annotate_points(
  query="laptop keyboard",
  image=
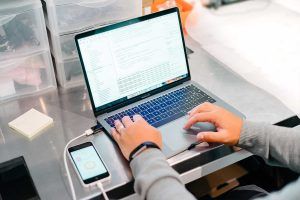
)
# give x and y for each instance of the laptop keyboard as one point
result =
(166, 108)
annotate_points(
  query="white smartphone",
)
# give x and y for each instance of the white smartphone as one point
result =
(88, 164)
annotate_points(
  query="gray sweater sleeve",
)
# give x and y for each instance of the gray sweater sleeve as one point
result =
(277, 145)
(155, 179)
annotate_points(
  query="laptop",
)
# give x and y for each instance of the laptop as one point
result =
(140, 66)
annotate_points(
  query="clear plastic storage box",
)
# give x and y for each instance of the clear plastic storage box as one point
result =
(69, 15)
(22, 28)
(25, 58)
(69, 73)
(63, 47)
(26, 75)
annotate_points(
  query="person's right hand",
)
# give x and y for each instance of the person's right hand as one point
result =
(227, 124)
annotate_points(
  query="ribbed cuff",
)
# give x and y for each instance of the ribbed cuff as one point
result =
(139, 160)
(149, 167)
(251, 134)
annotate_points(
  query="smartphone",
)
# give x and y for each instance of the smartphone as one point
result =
(88, 164)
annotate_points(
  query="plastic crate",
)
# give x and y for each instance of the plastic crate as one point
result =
(26, 75)
(25, 60)
(69, 73)
(22, 28)
(63, 47)
(65, 16)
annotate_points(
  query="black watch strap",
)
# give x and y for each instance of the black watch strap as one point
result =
(140, 148)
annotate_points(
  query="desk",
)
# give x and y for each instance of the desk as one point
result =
(72, 115)
(256, 39)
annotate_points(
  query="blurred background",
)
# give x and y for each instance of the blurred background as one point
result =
(256, 39)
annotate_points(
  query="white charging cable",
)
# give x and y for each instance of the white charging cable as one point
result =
(100, 186)
(86, 133)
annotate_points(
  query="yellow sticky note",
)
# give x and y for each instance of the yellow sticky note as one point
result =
(31, 123)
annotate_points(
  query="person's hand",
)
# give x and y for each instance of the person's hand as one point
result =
(130, 134)
(227, 124)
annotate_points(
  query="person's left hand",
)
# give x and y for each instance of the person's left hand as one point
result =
(130, 134)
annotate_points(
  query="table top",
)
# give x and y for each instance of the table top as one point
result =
(72, 114)
(256, 39)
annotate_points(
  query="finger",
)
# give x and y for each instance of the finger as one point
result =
(204, 107)
(193, 110)
(126, 121)
(119, 126)
(115, 134)
(200, 117)
(211, 137)
(138, 118)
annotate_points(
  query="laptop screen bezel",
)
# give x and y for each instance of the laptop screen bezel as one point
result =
(98, 111)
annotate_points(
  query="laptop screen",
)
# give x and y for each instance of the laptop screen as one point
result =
(127, 61)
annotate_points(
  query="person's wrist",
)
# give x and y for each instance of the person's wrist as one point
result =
(239, 132)
(142, 148)
(141, 152)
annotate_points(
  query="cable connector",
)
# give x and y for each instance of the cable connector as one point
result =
(94, 129)
(97, 129)
(88, 132)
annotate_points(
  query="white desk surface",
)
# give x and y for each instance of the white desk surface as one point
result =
(259, 40)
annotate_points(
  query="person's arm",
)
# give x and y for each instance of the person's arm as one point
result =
(277, 145)
(154, 178)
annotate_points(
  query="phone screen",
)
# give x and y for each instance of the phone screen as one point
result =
(88, 163)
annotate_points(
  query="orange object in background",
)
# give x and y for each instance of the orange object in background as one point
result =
(184, 6)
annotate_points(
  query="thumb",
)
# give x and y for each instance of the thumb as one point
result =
(211, 137)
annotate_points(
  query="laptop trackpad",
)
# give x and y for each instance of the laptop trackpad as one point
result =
(175, 137)
(201, 127)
